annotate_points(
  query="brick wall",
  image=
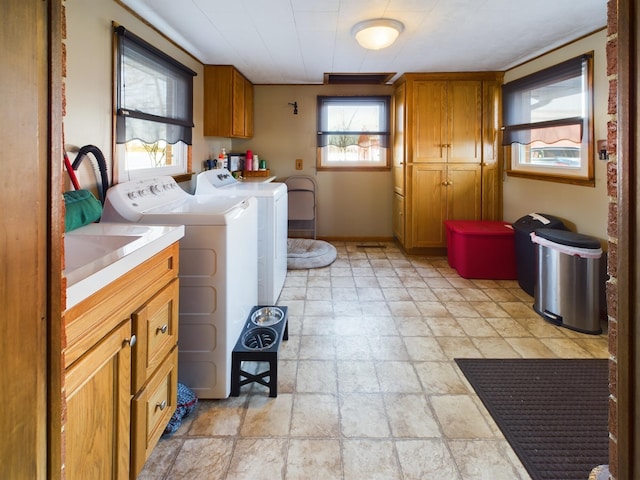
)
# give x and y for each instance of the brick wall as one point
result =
(612, 232)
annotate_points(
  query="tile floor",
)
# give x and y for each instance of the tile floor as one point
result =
(368, 388)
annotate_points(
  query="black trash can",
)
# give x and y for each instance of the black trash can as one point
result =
(525, 249)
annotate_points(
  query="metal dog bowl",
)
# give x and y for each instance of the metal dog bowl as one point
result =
(266, 316)
(259, 338)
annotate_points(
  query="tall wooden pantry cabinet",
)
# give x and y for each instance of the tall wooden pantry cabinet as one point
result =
(446, 164)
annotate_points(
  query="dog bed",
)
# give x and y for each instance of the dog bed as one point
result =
(306, 253)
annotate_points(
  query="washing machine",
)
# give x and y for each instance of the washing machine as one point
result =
(217, 270)
(272, 225)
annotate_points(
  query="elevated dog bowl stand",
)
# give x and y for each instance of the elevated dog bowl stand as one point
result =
(258, 343)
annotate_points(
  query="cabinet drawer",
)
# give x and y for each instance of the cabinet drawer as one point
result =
(155, 325)
(152, 409)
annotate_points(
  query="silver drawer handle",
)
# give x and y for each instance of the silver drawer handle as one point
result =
(131, 341)
(162, 329)
(162, 405)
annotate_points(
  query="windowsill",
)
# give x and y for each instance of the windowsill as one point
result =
(585, 182)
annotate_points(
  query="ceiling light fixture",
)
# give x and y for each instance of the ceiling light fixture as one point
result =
(377, 33)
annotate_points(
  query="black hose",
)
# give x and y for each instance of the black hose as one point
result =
(102, 166)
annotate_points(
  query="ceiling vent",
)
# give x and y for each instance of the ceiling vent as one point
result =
(357, 78)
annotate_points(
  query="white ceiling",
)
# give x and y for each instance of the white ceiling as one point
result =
(298, 41)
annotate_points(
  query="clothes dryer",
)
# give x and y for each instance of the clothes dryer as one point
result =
(217, 274)
(272, 225)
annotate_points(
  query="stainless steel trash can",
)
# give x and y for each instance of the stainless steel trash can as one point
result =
(567, 287)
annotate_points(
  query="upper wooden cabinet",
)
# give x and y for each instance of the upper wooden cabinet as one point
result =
(228, 102)
(445, 144)
(446, 121)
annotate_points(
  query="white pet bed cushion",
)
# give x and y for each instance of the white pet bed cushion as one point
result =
(307, 253)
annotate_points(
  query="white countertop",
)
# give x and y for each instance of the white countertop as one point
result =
(99, 253)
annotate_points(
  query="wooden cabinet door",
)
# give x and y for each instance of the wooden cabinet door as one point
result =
(98, 413)
(429, 121)
(463, 193)
(248, 109)
(464, 122)
(491, 172)
(238, 117)
(398, 217)
(428, 206)
(399, 109)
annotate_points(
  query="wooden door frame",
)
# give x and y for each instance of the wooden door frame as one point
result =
(627, 429)
(55, 251)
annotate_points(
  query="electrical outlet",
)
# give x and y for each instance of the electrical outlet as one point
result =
(298, 164)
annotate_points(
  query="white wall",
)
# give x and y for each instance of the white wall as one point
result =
(354, 205)
(583, 209)
(89, 82)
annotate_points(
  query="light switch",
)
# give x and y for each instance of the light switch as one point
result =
(298, 164)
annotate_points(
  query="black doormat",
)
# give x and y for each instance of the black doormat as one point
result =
(553, 412)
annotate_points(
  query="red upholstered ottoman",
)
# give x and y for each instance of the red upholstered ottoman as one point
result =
(481, 249)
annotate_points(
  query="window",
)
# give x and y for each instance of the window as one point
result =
(548, 123)
(154, 110)
(353, 133)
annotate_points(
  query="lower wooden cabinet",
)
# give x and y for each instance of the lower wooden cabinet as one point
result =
(121, 369)
(440, 192)
(98, 390)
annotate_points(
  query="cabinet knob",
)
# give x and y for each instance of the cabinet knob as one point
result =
(131, 341)
(162, 405)
(162, 329)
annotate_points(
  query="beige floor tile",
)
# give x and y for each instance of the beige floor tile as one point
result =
(363, 415)
(315, 415)
(530, 348)
(447, 294)
(353, 347)
(318, 293)
(314, 459)
(439, 378)
(318, 307)
(397, 377)
(476, 458)
(432, 309)
(473, 295)
(424, 349)
(357, 377)
(458, 347)
(445, 327)
(267, 416)
(410, 416)
(495, 348)
(565, 348)
(218, 417)
(461, 309)
(426, 459)
(459, 417)
(203, 458)
(388, 347)
(488, 309)
(369, 459)
(477, 327)
(380, 325)
(318, 325)
(257, 459)
(317, 347)
(316, 376)
(508, 327)
(403, 308)
(412, 327)
(161, 459)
